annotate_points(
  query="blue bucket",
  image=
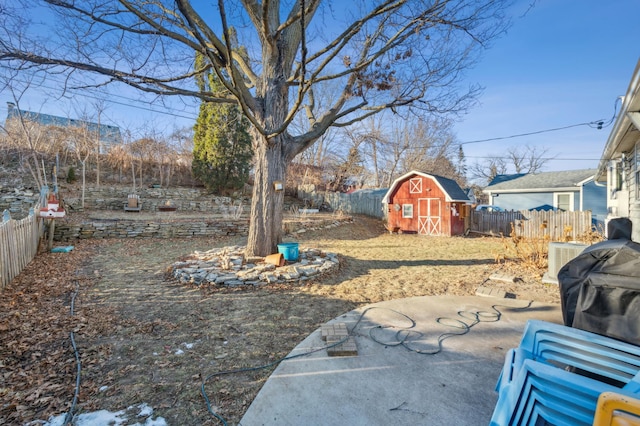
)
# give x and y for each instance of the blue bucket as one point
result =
(289, 251)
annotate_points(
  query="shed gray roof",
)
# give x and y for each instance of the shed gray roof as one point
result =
(538, 181)
(450, 187)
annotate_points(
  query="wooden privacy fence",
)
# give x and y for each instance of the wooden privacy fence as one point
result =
(364, 201)
(18, 244)
(555, 225)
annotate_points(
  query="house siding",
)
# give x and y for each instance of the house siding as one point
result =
(523, 200)
(593, 198)
(634, 202)
(622, 151)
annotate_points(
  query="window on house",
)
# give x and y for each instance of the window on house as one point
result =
(407, 210)
(563, 201)
(618, 176)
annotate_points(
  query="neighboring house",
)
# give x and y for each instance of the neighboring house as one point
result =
(425, 204)
(109, 135)
(620, 163)
(572, 190)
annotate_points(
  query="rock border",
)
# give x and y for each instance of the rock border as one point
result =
(228, 267)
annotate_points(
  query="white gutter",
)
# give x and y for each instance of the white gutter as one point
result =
(623, 121)
(529, 190)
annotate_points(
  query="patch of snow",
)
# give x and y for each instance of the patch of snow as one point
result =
(97, 418)
(103, 388)
(145, 410)
(179, 352)
(107, 418)
(188, 345)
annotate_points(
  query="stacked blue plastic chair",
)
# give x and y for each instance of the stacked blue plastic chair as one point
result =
(558, 372)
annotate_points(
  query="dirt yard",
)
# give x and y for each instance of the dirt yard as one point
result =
(143, 338)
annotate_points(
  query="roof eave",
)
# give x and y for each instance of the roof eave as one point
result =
(617, 142)
(528, 190)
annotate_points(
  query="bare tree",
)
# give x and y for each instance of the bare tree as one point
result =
(99, 107)
(26, 136)
(385, 54)
(117, 159)
(82, 141)
(371, 136)
(181, 145)
(488, 169)
(518, 159)
(141, 150)
(414, 143)
(327, 148)
(527, 158)
(30, 138)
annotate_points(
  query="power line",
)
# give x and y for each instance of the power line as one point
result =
(598, 124)
(108, 98)
(541, 158)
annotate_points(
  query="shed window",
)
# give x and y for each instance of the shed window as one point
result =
(407, 210)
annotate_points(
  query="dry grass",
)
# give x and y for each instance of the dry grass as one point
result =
(146, 319)
(533, 253)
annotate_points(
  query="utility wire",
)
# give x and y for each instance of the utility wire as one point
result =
(599, 125)
(108, 97)
(540, 158)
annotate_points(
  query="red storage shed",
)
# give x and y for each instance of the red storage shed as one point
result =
(426, 204)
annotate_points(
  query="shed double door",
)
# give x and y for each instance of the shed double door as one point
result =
(429, 216)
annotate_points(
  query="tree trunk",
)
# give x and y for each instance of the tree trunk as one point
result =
(98, 168)
(133, 176)
(265, 230)
(84, 180)
(374, 157)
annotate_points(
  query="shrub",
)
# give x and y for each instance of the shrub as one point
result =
(71, 175)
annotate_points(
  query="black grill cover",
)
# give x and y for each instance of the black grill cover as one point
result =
(600, 290)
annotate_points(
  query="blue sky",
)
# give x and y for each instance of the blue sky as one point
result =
(564, 62)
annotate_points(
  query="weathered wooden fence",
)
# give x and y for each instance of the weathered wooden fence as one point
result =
(18, 244)
(364, 201)
(533, 224)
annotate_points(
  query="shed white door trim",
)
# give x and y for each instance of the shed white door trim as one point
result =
(429, 216)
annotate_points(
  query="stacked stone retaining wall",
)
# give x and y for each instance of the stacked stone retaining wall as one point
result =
(183, 229)
(19, 201)
(184, 199)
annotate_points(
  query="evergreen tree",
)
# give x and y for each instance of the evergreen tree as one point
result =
(222, 151)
